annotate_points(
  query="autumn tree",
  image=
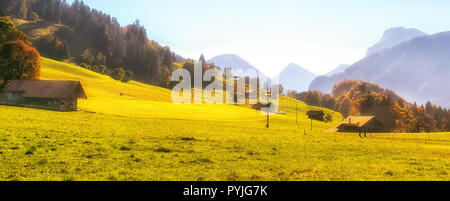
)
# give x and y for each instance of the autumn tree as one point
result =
(327, 101)
(18, 61)
(312, 98)
(9, 32)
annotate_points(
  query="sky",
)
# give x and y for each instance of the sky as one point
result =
(318, 35)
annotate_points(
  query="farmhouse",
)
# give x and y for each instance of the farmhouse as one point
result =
(361, 124)
(316, 115)
(45, 94)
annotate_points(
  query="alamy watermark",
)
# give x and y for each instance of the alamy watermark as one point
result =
(241, 87)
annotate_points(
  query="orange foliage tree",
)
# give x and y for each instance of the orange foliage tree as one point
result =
(18, 61)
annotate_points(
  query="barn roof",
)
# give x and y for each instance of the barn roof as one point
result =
(315, 112)
(358, 121)
(47, 88)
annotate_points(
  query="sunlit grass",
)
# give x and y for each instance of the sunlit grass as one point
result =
(135, 99)
(141, 135)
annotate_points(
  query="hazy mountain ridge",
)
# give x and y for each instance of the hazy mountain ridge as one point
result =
(393, 37)
(418, 70)
(295, 77)
(341, 68)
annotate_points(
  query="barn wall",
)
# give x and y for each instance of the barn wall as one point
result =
(375, 126)
(53, 103)
(343, 128)
(17, 99)
(12, 97)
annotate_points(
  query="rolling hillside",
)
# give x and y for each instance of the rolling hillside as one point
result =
(108, 96)
(140, 135)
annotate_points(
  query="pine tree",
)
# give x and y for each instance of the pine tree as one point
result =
(429, 108)
(202, 59)
(57, 12)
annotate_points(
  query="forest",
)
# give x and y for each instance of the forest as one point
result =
(106, 44)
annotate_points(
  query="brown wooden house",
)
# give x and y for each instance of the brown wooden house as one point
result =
(361, 124)
(45, 94)
(316, 115)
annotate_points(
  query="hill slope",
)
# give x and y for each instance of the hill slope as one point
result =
(136, 99)
(80, 34)
(97, 144)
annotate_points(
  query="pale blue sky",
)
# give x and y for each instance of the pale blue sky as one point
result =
(316, 34)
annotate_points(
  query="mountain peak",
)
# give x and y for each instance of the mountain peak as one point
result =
(294, 66)
(234, 62)
(228, 56)
(295, 77)
(393, 37)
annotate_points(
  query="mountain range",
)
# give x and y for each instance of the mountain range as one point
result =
(417, 69)
(292, 77)
(412, 63)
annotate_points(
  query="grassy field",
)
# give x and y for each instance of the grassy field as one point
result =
(132, 131)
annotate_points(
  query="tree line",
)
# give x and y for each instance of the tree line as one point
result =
(354, 98)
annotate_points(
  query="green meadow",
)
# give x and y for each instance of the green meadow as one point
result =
(132, 131)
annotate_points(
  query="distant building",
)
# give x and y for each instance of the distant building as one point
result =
(361, 124)
(45, 94)
(316, 115)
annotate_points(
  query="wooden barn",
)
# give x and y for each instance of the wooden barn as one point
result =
(316, 115)
(45, 94)
(361, 124)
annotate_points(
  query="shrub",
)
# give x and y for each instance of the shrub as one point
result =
(118, 74)
(101, 69)
(328, 118)
(94, 68)
(83, 65)
(128, 76)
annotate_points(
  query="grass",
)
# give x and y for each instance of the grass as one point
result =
(108, 96)
(143, 136)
